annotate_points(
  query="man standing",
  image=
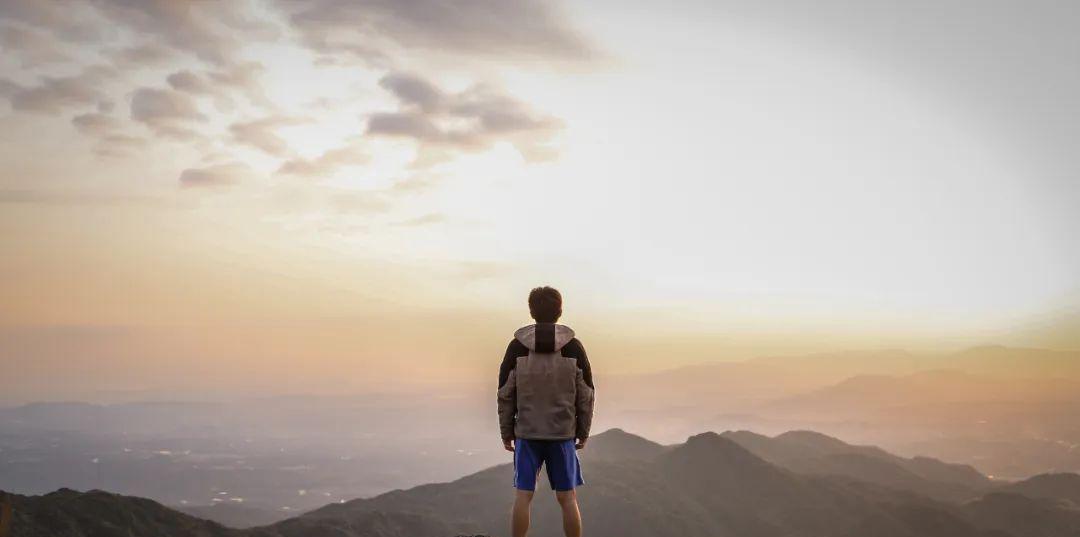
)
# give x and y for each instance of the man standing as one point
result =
(545, 403)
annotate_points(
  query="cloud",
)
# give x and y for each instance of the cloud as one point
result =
(243, 77)
(34, 47)
(413, 90)
(328, 163)
(469, 121)
(9, 89)
(222, 83)
(167, 112)
(69, 21)
(111, 141)
(95, 124)
(405, 124)
(54, 94)
(211, 31)
(261, 133)
(188, 81)
(217, 175)
(144, 55)
(413, 183)
(65, 197)
(422, 220)
(374, 30)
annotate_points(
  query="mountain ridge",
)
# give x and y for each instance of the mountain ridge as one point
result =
(708, 486)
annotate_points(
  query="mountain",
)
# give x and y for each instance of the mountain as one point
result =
(708, 486)
(1014, 514)
(1009, 428)
(617, 444)
(1016, 362)
(990, 360)
(1060, 486)
(813, 453)
(832, 366)
(69, 513)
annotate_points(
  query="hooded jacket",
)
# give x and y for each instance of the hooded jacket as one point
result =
(545, 385)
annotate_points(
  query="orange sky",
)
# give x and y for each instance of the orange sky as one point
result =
(254, 195)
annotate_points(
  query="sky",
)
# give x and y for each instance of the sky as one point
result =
(278, 195)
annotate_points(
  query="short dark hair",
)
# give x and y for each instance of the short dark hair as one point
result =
(545, 304)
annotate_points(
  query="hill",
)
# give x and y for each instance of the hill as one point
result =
(709, 486)
(69, 513)
(813, 453)
(1061, 486)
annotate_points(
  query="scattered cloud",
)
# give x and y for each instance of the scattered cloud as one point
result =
(413, 183)
(108, 130)
(326, 164)
(373, 30)
(261, 133)
(10, 196)
(119, 145)
(411, 125)
(217, 175)
(9, 89)
(211, 31)
(32, 46)
(190, 82)
(96, 124)
(469, 121)
(222, 84)
(147, 36)
(144, 55)
(411, 90)
(69, 21)
(54, 94)
(167, 112)
(244, 78)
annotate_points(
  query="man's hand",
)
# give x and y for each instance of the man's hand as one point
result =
(581, 443)
(508, 444)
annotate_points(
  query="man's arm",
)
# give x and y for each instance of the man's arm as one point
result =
(508, 409)
(586, 394)
(583, 403)
(507, 394)
(514, 349)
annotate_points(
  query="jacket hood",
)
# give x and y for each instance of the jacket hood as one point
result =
(544, 337)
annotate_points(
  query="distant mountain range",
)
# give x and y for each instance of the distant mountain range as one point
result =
(713, 485)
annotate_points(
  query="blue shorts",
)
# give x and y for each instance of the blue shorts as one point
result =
(560, 458)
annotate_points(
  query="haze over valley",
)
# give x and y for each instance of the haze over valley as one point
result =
(256, 460)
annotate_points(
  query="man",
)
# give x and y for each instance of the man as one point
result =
(545, 403)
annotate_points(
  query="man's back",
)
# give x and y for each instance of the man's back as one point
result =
(545, 385)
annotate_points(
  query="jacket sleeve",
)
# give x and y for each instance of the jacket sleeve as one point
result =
(576, 350)
(584, 400)
(514, 349)
(507, 397)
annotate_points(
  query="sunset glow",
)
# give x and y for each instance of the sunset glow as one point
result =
(193, 191)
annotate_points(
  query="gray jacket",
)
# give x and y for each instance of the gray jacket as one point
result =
(545, 395)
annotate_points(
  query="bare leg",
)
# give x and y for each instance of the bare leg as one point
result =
(519, 519)
(571, 516)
